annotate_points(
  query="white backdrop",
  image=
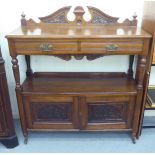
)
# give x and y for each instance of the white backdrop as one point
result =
(10, 11)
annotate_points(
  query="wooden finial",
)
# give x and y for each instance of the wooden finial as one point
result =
(134, 15)
(134, 21)
(23, 20)
(79, 12)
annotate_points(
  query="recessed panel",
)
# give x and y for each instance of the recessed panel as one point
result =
(100, 112)
(51, 112)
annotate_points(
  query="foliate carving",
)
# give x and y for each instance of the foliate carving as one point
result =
(106, 112)
(79, 57)
(52, 112)
(64, 57)
(101, 20)
(94, 56)
(59, 17)
(89, 57)
(97, 17)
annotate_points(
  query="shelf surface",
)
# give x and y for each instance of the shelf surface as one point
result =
(79, 85)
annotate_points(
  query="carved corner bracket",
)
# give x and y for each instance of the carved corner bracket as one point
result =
(97, 18)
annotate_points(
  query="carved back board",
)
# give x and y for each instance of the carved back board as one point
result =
(97, 18)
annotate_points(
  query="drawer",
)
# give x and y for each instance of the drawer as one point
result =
(106, 46)
(113, 47)
(45, 47)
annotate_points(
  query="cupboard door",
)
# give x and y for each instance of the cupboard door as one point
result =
(106, 113)
(46, 112)
(3, 127)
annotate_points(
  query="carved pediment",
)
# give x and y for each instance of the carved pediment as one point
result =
(97, 18)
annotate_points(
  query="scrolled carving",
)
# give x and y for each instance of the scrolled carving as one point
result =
(89, 57)
(93, 56)
(64, 57)
(79, 57)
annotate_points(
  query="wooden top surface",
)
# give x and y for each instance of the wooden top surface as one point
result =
(97, 31)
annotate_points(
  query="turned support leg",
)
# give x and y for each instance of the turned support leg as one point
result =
(133, 138)
(25, 138)
(18, 95)
(28, 63)
(130, 70)
(141, 67)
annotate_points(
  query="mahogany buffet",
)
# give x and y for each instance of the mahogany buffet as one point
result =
(80, 101)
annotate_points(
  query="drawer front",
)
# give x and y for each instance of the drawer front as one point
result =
(45, 47)
(54, 113)
(103, 113)
(106, 46)
(113, 47)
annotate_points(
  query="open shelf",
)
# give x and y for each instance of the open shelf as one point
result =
(79, 83)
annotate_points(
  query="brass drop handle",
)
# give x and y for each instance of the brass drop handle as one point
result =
(46, 47)
(111, 47)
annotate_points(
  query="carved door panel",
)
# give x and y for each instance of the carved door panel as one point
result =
(106, 113)
(3, 127)
(54, 113)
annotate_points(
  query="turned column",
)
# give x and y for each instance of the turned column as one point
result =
(29, 71)
(141, 67)
(18, 89)
(130, 70)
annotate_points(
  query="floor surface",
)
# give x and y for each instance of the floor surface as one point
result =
(81, 142)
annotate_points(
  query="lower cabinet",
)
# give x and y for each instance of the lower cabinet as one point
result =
(79, 113)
